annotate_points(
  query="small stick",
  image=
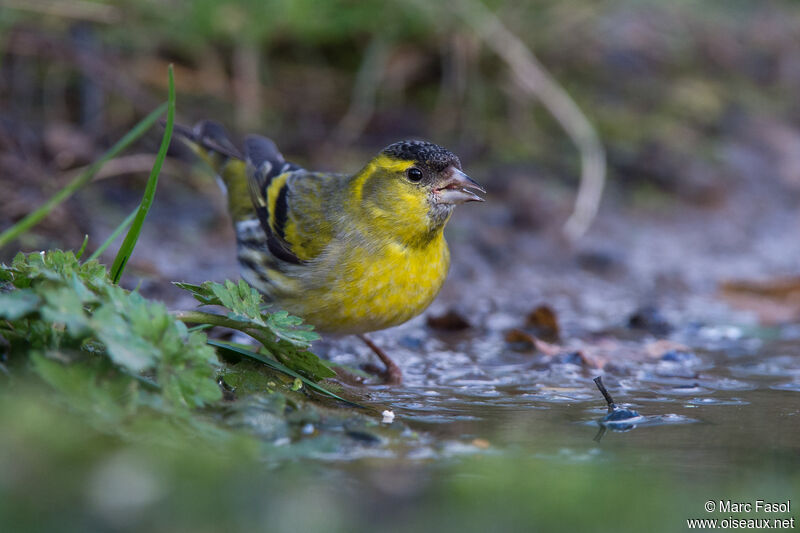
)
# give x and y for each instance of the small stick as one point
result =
(609, 400)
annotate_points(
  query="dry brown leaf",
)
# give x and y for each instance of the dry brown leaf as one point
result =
(545, 321)
(450, 321)
(774, 301)
(518, 336)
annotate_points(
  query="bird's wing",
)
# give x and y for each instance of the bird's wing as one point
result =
(290, 202)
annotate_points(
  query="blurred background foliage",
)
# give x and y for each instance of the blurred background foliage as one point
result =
(655, 78)
(676, 90)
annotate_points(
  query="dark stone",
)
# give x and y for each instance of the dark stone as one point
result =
(649, 318)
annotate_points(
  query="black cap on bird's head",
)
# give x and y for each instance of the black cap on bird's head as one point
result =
(424, 153)
(437, 167)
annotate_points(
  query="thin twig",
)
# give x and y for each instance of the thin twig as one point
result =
(365, 89)
(536, 81)
(247, 86)
(132, 164)
(457, 58)
(609, 400)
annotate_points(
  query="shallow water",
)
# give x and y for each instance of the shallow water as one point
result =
(729, 399)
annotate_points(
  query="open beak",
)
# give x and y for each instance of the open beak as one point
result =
(457, 188)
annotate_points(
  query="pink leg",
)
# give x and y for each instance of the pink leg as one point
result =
(393, 375)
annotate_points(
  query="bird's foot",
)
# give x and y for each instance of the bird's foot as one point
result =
(392, 375)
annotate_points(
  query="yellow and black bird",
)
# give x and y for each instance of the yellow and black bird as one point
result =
(348, 253)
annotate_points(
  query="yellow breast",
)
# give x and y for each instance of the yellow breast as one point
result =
(371, 290)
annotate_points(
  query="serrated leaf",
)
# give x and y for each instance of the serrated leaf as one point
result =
(281, 368)
(309, 364)
(18, 303)
(64, 306)
(247, 377)
(243, 300)
(188, 373)
(81, 291)
(290, 328)
(301, 338)
(125, 348)
(202, 293)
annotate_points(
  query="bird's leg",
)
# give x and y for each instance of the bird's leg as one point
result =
(393, 375)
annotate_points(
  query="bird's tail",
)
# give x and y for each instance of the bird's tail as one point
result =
(211, 143)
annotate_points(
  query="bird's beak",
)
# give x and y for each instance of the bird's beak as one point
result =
(456, 188)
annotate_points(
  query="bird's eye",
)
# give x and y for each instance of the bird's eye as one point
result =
(414, 174)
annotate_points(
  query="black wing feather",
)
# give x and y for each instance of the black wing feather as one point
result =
(264, 163)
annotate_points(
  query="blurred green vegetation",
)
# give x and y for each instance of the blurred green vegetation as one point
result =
(57, 473)
(645, 72)
(674, 89)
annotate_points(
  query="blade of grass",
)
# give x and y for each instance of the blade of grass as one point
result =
(81, 179)
(280, 368)
(201, 327)
(111, 238)
(132, 237)
(79, 254)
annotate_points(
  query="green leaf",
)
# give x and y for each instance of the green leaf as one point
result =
(243, 300)
(202, 293)
(18, 303)
(304, 362)
(64, 306)
(281, 368)
(248, 377)
(301, 338)
(289, 328)
(188, 372)
(126, 349)
(54, 265)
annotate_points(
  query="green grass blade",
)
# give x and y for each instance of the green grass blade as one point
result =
(200, 327)
(280, 368)
(132, 237)
(79, 253)
(116, 233)
(80, 180)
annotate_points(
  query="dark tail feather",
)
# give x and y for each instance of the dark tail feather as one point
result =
(209, 135)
